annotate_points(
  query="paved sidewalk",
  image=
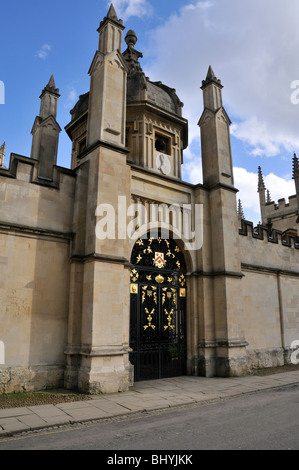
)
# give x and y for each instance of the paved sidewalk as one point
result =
(144, 396)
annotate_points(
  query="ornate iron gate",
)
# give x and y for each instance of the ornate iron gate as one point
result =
(158, 309)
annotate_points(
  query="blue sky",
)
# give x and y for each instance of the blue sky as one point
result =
(252, 47)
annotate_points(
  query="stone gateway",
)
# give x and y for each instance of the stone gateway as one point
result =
(100, 282)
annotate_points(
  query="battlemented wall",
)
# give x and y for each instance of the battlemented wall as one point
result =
(283, 214)
(64, 288)
(35, 204)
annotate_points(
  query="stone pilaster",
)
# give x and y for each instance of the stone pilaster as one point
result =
(100, 262)
(225, 345)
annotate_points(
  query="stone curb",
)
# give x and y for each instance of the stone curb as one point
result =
(43, 417)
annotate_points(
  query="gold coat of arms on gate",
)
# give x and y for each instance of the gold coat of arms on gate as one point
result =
(159, 261)
(134, 288)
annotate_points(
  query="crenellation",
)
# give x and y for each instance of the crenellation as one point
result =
(281, 201)
(17, 168)
(283, 214)
(262, 232)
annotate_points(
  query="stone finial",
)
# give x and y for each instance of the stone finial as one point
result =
(262, 195)
(261, 184)
(295, 166)
(51, 83)
(212, 92)
(51, 87)
(296, 179)
(45, 131)
(240, 211)
(211, 78)
(131, 38)
(210, 74)
(110, 33)
(2, 154)
(268, 199)
(49, 99)
(111, 15)
(131, 55)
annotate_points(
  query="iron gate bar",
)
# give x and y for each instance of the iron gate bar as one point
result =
(158, 342)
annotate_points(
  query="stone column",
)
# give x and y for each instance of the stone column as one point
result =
(104, 324)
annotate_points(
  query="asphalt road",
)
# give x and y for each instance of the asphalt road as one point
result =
(265, 420)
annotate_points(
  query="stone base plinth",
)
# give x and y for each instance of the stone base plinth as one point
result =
(30, 378)
(221, 359)
(105, 374)
(261, 358)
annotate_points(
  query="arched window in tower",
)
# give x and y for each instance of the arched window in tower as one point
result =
(162, 143)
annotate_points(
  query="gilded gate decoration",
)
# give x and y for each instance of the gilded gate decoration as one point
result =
(158, 309)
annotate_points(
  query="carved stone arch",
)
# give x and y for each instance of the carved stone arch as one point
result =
(143, 252)
(170, 232)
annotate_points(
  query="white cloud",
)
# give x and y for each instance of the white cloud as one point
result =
(128, 8)
(43, 52)
(253, 48)
(72, 98)
(279, 187)
(192, 167)
(247, 183)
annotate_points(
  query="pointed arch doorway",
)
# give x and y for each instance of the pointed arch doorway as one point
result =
(157, 309)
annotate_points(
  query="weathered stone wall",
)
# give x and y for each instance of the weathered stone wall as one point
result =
(30, 201)
(37, 221)
(35, 235)
(270, 296)
(34, 291)
(262, 318)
